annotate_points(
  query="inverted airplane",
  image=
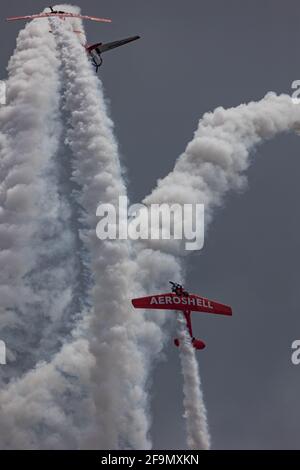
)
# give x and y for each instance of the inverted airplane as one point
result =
(96, 50)
(180, 300)
(60, 14)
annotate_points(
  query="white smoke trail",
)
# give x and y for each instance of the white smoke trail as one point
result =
(214, 162)
(49, 406)
(37, 264)
(121, 367)
(195, 412)
(217, 158)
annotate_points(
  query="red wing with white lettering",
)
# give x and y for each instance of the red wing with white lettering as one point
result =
(213, 307)
(192, 303)
(153, 301)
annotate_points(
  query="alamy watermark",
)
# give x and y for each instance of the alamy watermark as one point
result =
(183, 222)
(296, 94)
(295, 357)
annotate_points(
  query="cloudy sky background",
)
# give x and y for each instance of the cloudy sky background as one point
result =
(194, 56)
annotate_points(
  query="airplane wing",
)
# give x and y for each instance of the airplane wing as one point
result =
(93, 18)
(59, 15)
(171, 301)
(28, 17)
(111, 45)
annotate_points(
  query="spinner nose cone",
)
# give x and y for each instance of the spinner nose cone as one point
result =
(198, 344)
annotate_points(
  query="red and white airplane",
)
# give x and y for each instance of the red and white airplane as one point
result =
(180, 300)
(60, 14)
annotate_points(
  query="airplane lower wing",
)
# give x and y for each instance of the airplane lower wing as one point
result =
(59, 15)
(192, 303)
(100, 47)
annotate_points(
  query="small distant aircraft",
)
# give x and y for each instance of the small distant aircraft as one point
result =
(96, 50)
(60, 14)
(180, 300)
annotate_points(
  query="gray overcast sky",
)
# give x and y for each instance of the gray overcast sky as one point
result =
(193, 56)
